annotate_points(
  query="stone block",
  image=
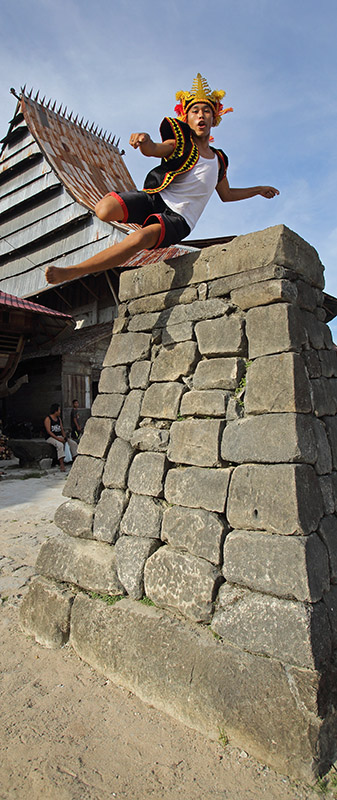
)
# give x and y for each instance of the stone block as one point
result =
(45, 612)
(117, 464)
(316, 330)
(109, 512)
(177, 333)
(308, 297)
(171, 363)
(263, 293)
(219, 373)
(129, 416)
(221, 337)
(207, 403)
(146, 474)
(198, 684)
(84, 481)
(325, 485)
(281, 498)
(139, 374)
(114, 379)
(144, 322)
(150, 438)
(181, 582)
(330, 602)
(274, 329)
(328, 359)
(195, 441)
(142, 517)
(131, 556)
(199, 532)
(328, 533)
(333, 477)
(224, 286)
(277, 383)
(107, 405)
(331, 430)
(162, 400)
(162, 301)
(90, 565)
(293, 567)
(270, 438)
(312, 363)
(324, 398)
(323, 464)
(292, 632)
(125, 348)
(97, 437)
(46, 463)
(75, 518)
(197, 487)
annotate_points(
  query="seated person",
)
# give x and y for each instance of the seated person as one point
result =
(56, 436)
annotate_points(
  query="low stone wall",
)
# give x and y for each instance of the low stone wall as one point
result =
(206, 482)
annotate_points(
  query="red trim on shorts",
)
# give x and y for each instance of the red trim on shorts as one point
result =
(162, 229)
(121, 203)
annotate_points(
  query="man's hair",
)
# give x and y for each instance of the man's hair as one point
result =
(75, 401)
(54, 407)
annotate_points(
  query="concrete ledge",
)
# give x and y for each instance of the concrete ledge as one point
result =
(270, 710)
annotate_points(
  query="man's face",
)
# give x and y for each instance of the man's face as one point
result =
(200, 119)
(75, 404)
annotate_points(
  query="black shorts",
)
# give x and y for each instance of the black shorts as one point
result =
(145, 209)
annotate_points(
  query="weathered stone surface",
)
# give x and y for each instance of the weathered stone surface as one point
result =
(30, 451)
(277, 245)
(270, 438)
(221, 337)
(263, 293)
(107, 405)
(197, 487)
(108, 515)
(85, 479)
(164, 300)
(324, 396)
(129, 417)
(117, 464)
(330, 602)
(312, 363)
(331, 429)
(277, 383)
(114, 379)
(162, 400)
(150, 438)
(274, 329)
(292, 632)
(75, 518)
(328, 359)
(282, 498)
(307, 296)
(143, 517)
(199, 532)
(223, 286)
(219, 373)
(97, 437)
(318, 333)
(328, 533)
(144, 322)
(198, 684)
(147, 473)
(210, 403)
(139, 374)
(181, 582)
(131, 555)
(45, 612)
(334, 487)
(195, 441)
(325, 485)
(125, 348)
(323, 464)
(90, 565)
(177, 333)
(294, 567)
(174, 362)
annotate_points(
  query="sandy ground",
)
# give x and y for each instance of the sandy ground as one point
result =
(68, 733)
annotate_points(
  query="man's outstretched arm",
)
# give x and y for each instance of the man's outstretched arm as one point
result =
(150, 148)
(228, 195)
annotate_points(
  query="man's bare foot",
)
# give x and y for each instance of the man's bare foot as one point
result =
(59, 274)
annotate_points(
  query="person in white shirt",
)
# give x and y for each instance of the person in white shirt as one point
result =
(176, 191)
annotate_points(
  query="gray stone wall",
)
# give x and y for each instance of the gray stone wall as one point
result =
(206, 482)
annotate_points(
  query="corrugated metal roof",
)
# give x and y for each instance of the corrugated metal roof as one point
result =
(10, 300)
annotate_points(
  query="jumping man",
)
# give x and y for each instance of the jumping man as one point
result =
(176, 191)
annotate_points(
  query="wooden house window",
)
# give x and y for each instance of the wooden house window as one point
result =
(77, 388)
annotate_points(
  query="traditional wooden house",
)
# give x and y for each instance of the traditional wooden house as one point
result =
(53, 169)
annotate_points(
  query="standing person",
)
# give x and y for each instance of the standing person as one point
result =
(76, 429)
(176, 191)
(56, 436)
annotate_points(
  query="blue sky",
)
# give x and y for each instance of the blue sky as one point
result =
(120, 63)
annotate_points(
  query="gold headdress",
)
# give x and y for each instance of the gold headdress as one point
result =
(201, 93)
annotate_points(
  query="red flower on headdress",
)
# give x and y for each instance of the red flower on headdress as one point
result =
(179, 110)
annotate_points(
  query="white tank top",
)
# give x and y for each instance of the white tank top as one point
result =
(189, 193)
